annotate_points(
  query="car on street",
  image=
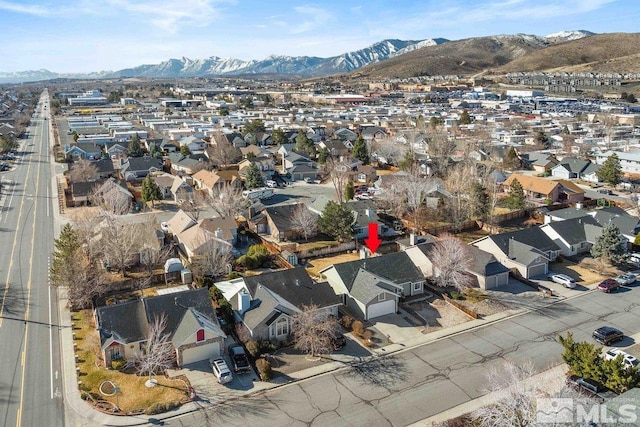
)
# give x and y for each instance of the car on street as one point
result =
(626, 279)
(627, 360)
(606, 335)
(608, 285)
(221, 370)
(562, 279)
(239, 359)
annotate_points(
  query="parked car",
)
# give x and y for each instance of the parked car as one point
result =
(271, 183)
(590, 388)
(221, 370)
(239, 359)
(608, 285)
(627, 360)
(626, 279)
(562, 279)
(605, 191)
(4, 166)
(607, 335)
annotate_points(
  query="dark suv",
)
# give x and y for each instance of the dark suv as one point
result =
(607, 335)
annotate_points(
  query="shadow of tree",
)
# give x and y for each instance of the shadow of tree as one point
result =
(382, 371)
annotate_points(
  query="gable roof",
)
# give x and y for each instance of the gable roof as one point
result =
(124, 322)
(395, 267)
(226, 224)
(484, 263)
(133, 164)
(360, 208)
(573, 164)
(180, 222)
(104, 165)
(281, 215)
(366, 286)
(266, 307)
(573, 230)
(295, 286)
(627, 224)
(533, 183)
(532, 236)
(207, 178)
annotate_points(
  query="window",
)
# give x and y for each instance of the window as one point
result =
(382, 296)
(282, 326)
(417, 286)
(200, 335)
(115, 352)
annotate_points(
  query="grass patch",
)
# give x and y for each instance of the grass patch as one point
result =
(133, 393)
(309, 246)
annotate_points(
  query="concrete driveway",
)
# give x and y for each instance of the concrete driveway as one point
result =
(395, 328)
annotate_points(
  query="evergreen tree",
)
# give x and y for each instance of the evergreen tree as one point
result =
(516, 199)
(360, 151)
(617, 376)
(479, 201)
(465, 119)
(511, 160)
(154, 151)
(336, 221)
(349, 191)
(543, 139)
(66, 248)
(184, 151)
(253, 177)
(134, 149)
(610, 171)
(278, 136)
(610, 244)
(150, 191)
(323, 155)
(304, 145)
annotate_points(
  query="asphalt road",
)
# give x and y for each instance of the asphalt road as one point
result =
(30, 378)
(412, 385)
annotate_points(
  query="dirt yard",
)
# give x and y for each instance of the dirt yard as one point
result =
(484, 308)
(584, 273)
(438, 314)
(315, 265)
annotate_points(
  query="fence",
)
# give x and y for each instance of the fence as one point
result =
(460, 307)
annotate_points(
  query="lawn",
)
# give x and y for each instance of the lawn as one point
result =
(315, 265)
(316, 244)
(133, 393)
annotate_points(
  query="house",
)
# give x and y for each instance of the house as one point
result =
(187, 164)
(345, 134)
(628, 225)
(191, 323)
(276, 221)
(364, 213)
(104, 168)
(164, 181)
(83, 150)
(540, 162)
(590, 174)
(570, 168)
(629, 160)
(266, 303)
(372, 287)
(193, 143)
(223, 227)
(528, 250)
(181, 191)
(371, 133)
(487, 272)
(196, 242)
(303, 171)
(541, 189)
(207, 180)
(573, 236)
(115, 150)
(81, 193)
(137, 168)
(180, 222)
(335, 147)
(365, 174)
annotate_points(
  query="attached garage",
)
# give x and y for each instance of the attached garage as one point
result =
(200, 352)
(495, 281)
(378, 309)
(536, 270)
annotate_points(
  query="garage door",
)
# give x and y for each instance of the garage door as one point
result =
(537, 270)
(199, 353)
(381, 308)
(490, 282)
(502, 279)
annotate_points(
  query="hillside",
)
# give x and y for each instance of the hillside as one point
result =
(601, 52)
(466, 56)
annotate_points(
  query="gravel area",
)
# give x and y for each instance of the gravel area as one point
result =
(438, 314)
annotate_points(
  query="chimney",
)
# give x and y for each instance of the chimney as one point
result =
(244, 300)
(218, 233)
(412, 239)
(368, 213)
(363, 253)
(297, 282)
(578, 205)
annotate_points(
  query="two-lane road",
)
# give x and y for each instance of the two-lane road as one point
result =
(30, 378)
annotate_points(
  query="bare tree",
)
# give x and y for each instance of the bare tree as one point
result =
(304, 221)
(211, 257)
(388, 149)
(339, 177)
(223, 153)
(440, 148)
(111, 200)
(82, 171)
(152, 251)
(458, 183)
(227, 200)
(451, 258)
(88, 283)
(313, 330)
(190, 202)
(120, 242)
(158, 352)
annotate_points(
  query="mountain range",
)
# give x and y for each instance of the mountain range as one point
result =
(445, 54)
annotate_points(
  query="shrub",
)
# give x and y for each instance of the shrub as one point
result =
(366, 335)
(455, 295)
(264, 369)
(253, 348)
(158, 408)
(268, 346)
(248, 262)
(475, 295)
(347, 321)
(357, 327)
(233, 275)
(118, 364)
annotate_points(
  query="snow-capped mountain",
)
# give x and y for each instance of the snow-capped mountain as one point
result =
(566, 36)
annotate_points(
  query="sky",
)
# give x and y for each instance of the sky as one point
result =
(77, 36)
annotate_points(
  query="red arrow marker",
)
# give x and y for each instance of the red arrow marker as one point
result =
(373, 241)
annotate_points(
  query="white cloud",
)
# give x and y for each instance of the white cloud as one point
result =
(314, 17)
(31, 9)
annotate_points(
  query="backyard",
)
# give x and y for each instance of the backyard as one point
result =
(133, 394)
(315, 265)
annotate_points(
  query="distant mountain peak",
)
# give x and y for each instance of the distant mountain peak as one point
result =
(568, 35)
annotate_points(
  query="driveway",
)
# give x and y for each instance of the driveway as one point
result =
(396, 329)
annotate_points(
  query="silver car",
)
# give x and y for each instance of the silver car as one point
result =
(626, 279)
(563, 279)
(221, 370)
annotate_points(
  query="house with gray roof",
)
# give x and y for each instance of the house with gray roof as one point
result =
(528, 250)
(364, 213)
(191, 323)
(137, 168)
(276, 222)
(573, 236)
(570, 168)
(372, 287)
(266, 303)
